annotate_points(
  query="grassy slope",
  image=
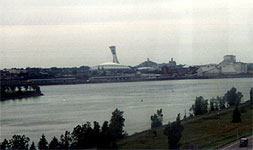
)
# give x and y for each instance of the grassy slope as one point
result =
(207, 131)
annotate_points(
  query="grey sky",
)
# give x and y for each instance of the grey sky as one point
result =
(46, 33)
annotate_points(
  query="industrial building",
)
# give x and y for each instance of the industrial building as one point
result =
(226, 67)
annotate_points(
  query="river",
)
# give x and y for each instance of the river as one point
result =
(64, 106)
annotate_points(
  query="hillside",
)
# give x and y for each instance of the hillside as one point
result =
(206, 131)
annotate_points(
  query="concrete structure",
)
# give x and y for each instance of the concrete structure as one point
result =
(229, 59)
(113, 50)
(227, 66)
(110, 68)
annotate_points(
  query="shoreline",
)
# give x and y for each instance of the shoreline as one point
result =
(112, 79)
(21, 96)
(144, 80)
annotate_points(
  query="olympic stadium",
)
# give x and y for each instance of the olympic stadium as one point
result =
(111, 68)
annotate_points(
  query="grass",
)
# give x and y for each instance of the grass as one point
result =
(204, 132)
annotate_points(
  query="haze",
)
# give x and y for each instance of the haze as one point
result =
(68, 33)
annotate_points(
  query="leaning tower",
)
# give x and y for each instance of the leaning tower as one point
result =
(113, 50)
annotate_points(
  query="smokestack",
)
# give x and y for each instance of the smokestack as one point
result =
(114, 56)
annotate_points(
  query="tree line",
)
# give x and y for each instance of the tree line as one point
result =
(82, 137)
(203, 106)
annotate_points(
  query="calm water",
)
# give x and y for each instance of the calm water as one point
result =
(65, 106)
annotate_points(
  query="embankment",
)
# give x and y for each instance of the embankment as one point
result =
(208, 131)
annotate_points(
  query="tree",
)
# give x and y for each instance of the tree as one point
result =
(43, 144)
(233, 97)
(215, 103)
(36, 88)
(32, 147)
(174, 132)
(65, 140)
(157, 119)
(212, 105)
(105, 137)
(90, 136)
(77, 137)
(200, 107)
(26, 88)
(54, 144)
(221, 102)
(19, 142)
(13, 89)
(19, 89)
(251, 96)
(236, 115)
(185, 117)
(5, 145)
(96, 131)
(117, 124)
(83, 137)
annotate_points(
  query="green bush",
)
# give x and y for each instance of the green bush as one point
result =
(200, 107)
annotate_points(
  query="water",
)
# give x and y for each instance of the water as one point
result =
(64, 106)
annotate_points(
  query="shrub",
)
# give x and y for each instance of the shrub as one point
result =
(157, 119)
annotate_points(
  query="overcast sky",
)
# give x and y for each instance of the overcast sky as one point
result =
(66, 33)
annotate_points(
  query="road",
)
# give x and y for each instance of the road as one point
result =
(235, 145)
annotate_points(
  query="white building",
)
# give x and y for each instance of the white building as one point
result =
(227, 66)
(111, 68)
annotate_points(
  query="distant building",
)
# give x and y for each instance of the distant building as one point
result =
(147, 63)
(250, 67)
(228, 59)
(110, 68)
(16, 71)
(227, 66)
(172, 63)
(147, 66)
(174, 72)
